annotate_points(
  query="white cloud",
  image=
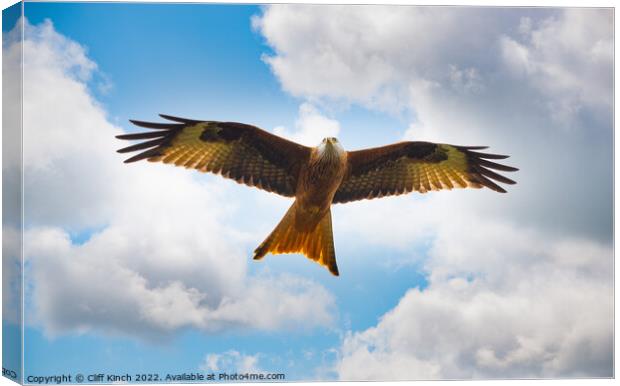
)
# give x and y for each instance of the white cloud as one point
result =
(67, 139)
(502, 302)
(231, 361)
(557, 53)
(108, 284)
(375, 55)
(310, 128)
(364, 54)
(465, 80)
(519, 284)
(462, 88)
(162, 256)
(11, 107)
(11, 275)
(11, 177)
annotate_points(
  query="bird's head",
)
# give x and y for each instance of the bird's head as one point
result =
(330, 146)
(330, 149)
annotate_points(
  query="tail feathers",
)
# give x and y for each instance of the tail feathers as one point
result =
(316, 244)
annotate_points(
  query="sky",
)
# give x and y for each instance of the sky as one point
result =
(146, 267)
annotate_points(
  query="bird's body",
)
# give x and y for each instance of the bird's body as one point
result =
(306, 227)
(321, 179)
(316, 177)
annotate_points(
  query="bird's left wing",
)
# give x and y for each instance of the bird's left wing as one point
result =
(418, 166)
(238, 151)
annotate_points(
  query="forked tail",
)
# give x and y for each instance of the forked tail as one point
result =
(317, 244)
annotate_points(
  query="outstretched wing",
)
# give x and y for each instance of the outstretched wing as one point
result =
(418, 166)
(238, 151)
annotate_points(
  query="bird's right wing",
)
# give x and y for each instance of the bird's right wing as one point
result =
(418, 166)
(238, 151)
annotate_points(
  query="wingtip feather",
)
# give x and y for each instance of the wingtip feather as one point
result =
(156, 126)
(173, 118)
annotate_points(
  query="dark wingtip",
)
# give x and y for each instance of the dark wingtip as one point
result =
(147, 135)
(483, 169)
(494, 165)
(472, 147)
(259, 253)
(488, 178)
(487, 155)
(495, 187)
(334, 269)
(155, 126)
(179, 119)
(172, 118)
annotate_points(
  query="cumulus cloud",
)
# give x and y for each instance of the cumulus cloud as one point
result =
(363, 53)
(519, 284)
(555, 54)
(554, 116)
(11, 275)
(374, 54)
(231, 361)
(66, 136)
(114, 285)
(310, 128)
(142, 250)
(12, 86)
(501, 303)
(11, 176)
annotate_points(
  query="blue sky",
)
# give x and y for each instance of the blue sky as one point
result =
(148, 267)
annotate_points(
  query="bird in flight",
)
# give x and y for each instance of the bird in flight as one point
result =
(316, 177)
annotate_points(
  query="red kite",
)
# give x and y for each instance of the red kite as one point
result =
(316, 176)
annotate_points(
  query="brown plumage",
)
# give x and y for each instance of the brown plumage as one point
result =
(317, 177)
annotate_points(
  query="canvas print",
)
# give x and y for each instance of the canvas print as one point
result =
(297, 192)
